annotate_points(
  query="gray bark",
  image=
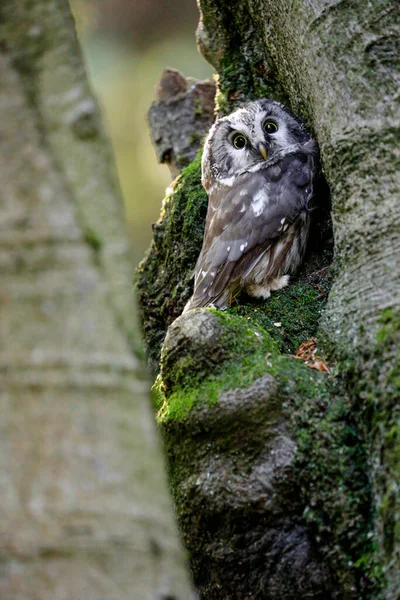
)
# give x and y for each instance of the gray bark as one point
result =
(83, 495)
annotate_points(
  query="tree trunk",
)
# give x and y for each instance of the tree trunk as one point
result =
(85, 508)
(292, 488)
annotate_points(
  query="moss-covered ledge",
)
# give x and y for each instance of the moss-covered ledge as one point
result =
(263, 465)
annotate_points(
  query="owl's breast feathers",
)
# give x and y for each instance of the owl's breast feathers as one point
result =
(257, 229)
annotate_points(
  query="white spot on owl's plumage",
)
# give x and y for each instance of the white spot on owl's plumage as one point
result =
(258, 203)
(228, 181)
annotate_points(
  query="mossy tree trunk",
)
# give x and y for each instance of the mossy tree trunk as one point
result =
(330, 504)
(85, 511)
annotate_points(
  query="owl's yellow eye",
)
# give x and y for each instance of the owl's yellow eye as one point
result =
(270, 127)
(239, 141)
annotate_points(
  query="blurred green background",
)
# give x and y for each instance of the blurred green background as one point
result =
(126, 44)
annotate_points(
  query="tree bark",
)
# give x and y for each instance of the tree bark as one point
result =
(84, 502)
(335, 439)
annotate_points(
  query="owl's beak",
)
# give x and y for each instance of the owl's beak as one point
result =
(263, 151)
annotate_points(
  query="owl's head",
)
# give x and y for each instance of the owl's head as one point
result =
(247, 138)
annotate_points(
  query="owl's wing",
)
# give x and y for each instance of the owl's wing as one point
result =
(247, 220)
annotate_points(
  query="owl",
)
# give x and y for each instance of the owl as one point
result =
(259, 166)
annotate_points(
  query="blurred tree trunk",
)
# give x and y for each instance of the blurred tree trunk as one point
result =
(85, 511)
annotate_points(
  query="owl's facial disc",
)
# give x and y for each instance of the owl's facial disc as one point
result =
(247, 138)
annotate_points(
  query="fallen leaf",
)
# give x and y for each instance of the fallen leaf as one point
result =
(307, 353)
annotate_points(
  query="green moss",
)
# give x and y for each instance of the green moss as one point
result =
(182, 370)
(92, 238)
(157, 395)
(238, 54)
(243, 339)
(332, 463)
(240, 81)
(381, 387)
(390, 319)
(234, 375)
(191, 383)
(198, 107)
(372, 384)
(164, 277)
(291, 315)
